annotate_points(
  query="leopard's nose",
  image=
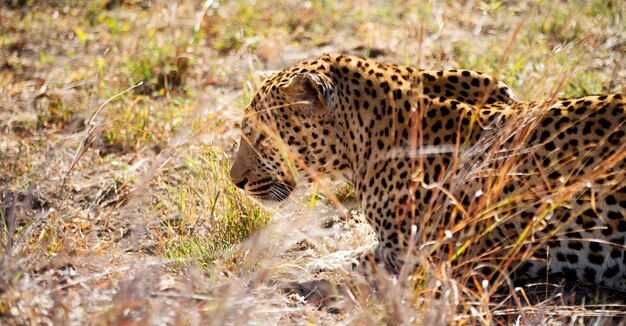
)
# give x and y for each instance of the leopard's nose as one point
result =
(241, 184)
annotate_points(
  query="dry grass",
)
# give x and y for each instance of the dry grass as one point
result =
(117, 119)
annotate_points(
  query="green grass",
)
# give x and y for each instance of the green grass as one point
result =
(223, 214)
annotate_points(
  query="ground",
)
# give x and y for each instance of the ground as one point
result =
(118, 119)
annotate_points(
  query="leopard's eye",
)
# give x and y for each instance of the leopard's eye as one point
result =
(262, 140)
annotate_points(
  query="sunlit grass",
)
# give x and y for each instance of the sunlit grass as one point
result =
(203, 212)
(149, 185)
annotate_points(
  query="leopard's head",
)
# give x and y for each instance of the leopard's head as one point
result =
(289, 127)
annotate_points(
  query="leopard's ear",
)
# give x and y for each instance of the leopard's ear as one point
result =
(314, 89)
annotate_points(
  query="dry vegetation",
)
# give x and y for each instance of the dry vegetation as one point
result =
(118, 118)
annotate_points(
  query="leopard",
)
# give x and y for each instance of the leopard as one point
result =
(447, 166)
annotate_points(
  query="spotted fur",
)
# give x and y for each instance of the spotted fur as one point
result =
(422, 148)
